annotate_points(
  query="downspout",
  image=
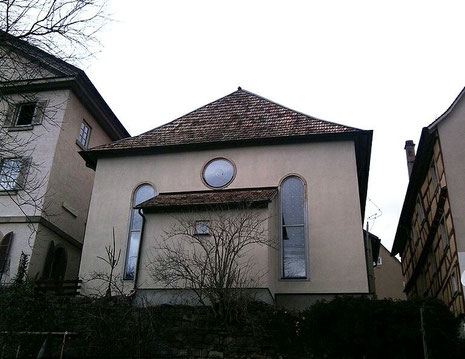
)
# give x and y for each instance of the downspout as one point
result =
(136, 274)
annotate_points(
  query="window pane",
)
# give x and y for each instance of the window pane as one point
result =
(9, 174)
(132, 254)
(143, 193)
(136, 220)
(25, 114)
(292, 201)
(294, 252)
(218, 173)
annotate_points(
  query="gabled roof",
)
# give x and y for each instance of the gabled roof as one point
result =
(240, 115)
(66, 76)
(420, 169)
(241, 119)
(209, 198)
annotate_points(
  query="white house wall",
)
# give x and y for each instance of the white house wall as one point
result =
(335, 242)
(41, 147)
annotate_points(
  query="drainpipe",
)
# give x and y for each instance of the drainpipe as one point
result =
(410, 152)
(136, 273)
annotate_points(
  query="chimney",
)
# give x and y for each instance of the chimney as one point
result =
(410, 152)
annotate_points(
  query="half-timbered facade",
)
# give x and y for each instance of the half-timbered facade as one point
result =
(430, 236)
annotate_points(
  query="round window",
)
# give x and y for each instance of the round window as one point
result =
(218, 173)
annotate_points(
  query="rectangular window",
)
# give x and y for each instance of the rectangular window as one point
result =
(84, 134)
(421, 212)
(444, 234)
(201, 228)
(379, 261)
(434, 175)
(453, 282)
(10, 171)
(25, 113)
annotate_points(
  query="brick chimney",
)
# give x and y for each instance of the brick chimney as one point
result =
(410, 152)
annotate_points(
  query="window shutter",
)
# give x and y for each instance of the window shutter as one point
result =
(5, 245)
(39, 112)
(10, 114)
(25, 165)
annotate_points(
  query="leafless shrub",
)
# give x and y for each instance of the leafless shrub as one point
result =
(219, 267)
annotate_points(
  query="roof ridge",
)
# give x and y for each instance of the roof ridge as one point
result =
(240, 89)
(170, 122)
(299, 112)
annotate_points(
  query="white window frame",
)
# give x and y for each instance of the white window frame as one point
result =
(17, 179)
(81, 134)
(282, 276)
(202, 228)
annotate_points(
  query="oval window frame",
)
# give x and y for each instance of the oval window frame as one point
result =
(202, 173)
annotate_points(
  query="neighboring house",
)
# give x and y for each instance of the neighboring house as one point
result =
(430, 236)
(388, 276)
(385, 272)
(51, 111)
(306, 177)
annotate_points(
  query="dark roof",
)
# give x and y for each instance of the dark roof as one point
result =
(211, 198)
(65, 76)
(419, 172)
(240, 115)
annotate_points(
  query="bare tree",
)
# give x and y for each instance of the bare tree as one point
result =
(57, 30)
(107, 282)
(213, 257)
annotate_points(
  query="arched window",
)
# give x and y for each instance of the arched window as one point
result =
(55, 263)
(293, 228)
(5, 244)
(141, 194)
(60, 261)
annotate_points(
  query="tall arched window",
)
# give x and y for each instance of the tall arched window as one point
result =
(141, 194)
(55, 263)
(5, 244)
(293, 228)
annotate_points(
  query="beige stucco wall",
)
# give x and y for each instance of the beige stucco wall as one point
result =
(23, 241)
(62, 175)
(70, 180)
(335, 241)
(388, 277)
(451, 135)
(157, 224)
(39, 253)
(41, 143)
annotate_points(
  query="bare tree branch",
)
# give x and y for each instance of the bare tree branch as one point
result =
(217, 267)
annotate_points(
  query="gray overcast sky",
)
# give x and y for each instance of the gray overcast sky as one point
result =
(390, 66)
